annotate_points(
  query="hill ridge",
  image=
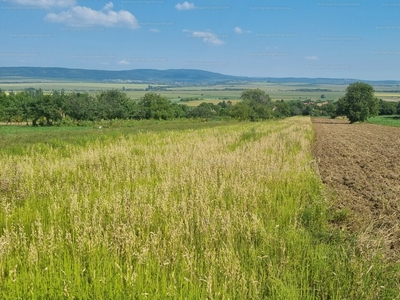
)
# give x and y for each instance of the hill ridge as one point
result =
(168, 76)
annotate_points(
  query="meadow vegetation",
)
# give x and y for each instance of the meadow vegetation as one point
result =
(183, 211)
(391, 120)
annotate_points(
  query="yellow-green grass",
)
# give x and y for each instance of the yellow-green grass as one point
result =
(222, 212)
(388, 96)
(382, 94)
(286, 92)
(214, 101)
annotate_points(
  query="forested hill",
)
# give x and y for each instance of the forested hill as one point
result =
(138, 75)
(185, 76)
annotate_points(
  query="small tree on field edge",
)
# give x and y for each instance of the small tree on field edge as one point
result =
(359, 102)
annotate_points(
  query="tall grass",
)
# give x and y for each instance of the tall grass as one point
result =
(228, 212)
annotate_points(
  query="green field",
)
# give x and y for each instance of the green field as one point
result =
(175, 210)
(210, 93)
(386, 120)
(176, 93)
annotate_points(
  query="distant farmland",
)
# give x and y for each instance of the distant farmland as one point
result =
(207, 93)
(176, 93)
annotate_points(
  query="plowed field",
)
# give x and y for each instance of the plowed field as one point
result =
(359, 164)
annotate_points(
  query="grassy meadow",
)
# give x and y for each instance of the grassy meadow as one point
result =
(386, 120)
(175, 211)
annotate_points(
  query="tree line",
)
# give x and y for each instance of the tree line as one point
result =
(35, 107)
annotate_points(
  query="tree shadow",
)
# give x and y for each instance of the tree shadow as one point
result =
(330, 121)
(393, 117)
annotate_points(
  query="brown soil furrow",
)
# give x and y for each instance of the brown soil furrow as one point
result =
(360, 163)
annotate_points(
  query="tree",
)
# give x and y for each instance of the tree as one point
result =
(180, 110)
(9, 107)
(22, 101)
(226, 107)
(259, 105)
(386, 107)
(44, 107)
(296, 107)
(113, 104)
(281, 110)
(255, 95)
(205, 110)
(241, 111)
(330, 109)
(359, 102)
(81, 106)
(156, 107)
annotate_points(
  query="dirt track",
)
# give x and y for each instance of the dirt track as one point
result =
(360, 164)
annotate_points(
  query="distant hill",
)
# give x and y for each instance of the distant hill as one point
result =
(172, 76)
(138, 75)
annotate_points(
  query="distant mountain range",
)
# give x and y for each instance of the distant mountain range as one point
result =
(172, 76)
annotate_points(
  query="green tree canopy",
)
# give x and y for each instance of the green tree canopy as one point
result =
(156, 107)
(258, 103)
(281, 110)
(387, 108)
(44, 106)
(113, 104)
(359, 102)
(256, 96)
(240, 111)
(81, 106)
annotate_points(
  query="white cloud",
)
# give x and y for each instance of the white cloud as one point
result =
(45, 3)
(238, 30)
(80, 16)
(207, 37)
(185, 6)
(124, 62)
(108, 6)
(312, 58)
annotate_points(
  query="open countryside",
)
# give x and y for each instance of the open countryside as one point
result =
(182, 210)
(285, 91)
(159, 201)
(199, 150)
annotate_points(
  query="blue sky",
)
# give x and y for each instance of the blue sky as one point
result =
(343, 39)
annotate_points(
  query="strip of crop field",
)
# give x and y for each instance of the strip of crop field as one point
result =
(234, 212)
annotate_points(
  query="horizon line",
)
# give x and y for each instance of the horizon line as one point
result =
(207, 71)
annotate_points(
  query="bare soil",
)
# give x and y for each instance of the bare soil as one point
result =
(360, 165)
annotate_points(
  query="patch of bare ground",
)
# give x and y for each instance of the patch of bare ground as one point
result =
(360, 164)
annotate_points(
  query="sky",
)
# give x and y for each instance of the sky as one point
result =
(344, 39)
